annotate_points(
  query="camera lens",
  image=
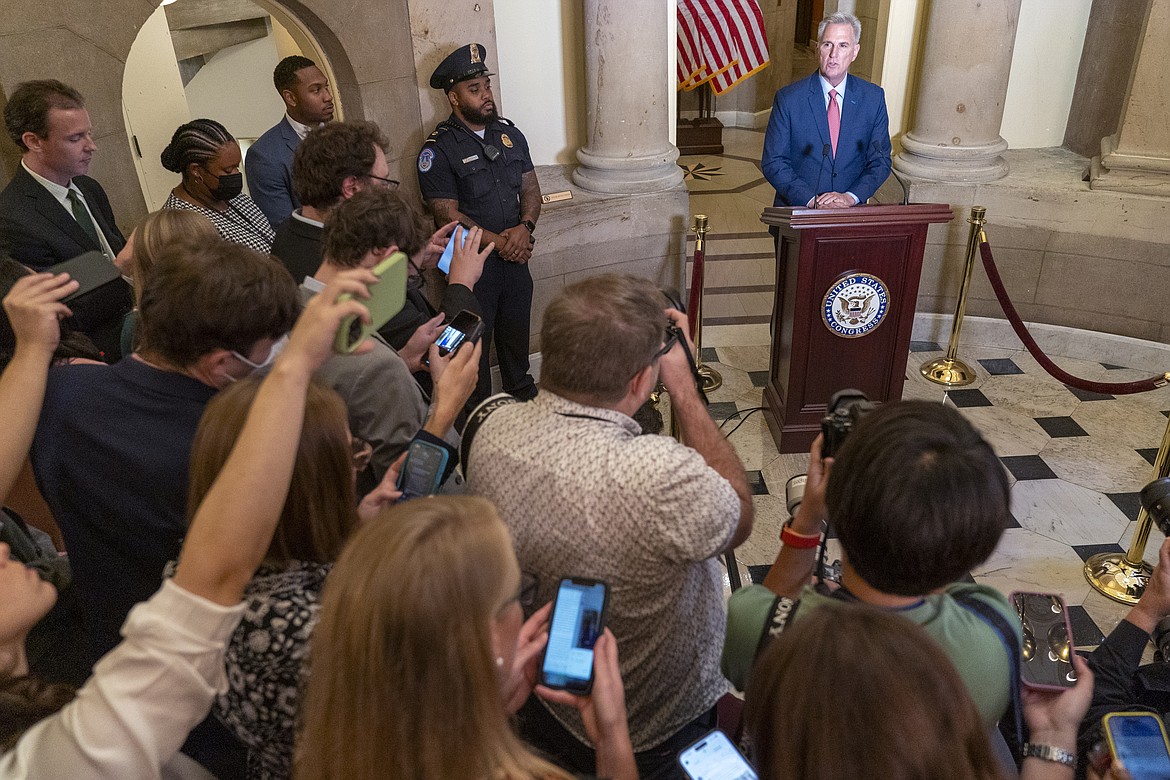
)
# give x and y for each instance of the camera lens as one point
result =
(1156, 501)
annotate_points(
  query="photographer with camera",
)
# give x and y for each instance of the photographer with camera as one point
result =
(917, 499)
(585, 495)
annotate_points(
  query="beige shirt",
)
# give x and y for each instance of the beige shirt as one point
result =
(585, 495)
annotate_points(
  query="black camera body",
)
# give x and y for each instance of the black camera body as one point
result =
(846, 408)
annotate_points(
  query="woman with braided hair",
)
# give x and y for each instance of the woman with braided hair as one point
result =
(204, 153)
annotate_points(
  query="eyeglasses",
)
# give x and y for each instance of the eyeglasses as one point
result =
(389, 184)
(277, 348)
(525, 594)
(361, 452)
(672, 337)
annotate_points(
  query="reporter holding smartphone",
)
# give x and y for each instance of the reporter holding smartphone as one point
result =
(586, 495)
(438, 584)
(386, 405)
(158, 682)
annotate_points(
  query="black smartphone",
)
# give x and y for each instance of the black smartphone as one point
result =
(714, 758)
(422, 471)
(578, 619)
(466, 326)
(1046, 661)
(1137, 741)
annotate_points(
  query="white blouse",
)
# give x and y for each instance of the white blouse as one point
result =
(144, 697)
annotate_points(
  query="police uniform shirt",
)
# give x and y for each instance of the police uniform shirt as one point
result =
(453, 165)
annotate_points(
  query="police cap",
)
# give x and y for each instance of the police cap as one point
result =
(462, 64)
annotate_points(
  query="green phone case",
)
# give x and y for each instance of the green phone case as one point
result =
(387, 298)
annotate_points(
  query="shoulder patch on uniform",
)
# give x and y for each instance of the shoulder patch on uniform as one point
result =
(434, 136)
(505, 121)
(426, 158)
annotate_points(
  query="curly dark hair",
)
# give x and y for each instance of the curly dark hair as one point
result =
(374, 218)
(330, 154)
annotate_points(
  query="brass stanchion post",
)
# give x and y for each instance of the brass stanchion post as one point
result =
(712, 380)
(1124, 577)
(949, 370)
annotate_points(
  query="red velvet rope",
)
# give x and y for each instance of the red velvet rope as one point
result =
(696, 291)
(1114, 388)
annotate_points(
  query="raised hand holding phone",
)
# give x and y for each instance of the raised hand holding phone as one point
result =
(467, 257)
(384, 298)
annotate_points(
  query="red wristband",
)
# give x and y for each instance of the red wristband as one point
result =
(798, 541)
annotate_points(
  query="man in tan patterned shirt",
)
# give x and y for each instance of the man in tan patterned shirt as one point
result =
(586, 495)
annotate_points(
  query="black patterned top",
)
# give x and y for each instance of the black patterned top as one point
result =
(266, 664)
(242, 223)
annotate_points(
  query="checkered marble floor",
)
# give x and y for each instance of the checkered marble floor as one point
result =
(1076, 460)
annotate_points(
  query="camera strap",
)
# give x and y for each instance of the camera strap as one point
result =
(475, 419)
(1007, 636)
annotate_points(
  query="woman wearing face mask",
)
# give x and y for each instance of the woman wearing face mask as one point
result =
(204, 153)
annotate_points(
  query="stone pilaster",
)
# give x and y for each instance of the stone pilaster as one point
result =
(1137, 157)
(960, 97)
(628, 147)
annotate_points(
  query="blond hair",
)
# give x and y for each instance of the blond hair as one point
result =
(403, 682)
(159, 230)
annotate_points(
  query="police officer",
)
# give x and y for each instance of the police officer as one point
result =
(476, 168)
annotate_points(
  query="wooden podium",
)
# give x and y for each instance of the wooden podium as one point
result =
(846, 288)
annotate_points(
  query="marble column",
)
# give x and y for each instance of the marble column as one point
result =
(628, 147)
(960, 97)
(1137, 157)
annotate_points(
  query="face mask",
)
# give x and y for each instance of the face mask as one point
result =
(230, 185)
(277, 347)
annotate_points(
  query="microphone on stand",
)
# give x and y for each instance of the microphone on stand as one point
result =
(826, 150)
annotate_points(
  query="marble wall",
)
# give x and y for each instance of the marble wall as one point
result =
(1068, 255)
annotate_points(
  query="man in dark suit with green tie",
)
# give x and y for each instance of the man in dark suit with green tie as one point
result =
(51, 211)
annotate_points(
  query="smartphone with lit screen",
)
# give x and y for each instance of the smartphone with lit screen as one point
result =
(1138, 741)
(578, 618)
(465, 326)
(1046, 660)
(458, 234)
(714, 758)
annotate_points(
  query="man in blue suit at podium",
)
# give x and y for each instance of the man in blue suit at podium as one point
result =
(828, 139)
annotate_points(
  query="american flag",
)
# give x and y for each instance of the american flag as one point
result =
(719, 41)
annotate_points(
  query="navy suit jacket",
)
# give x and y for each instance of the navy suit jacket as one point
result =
(798, 131)
(36, 230)
(268, 167)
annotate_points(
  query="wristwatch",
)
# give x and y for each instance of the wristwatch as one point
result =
(530, 225)
(1049, 753)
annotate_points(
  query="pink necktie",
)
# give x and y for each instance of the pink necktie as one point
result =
(834, 119)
